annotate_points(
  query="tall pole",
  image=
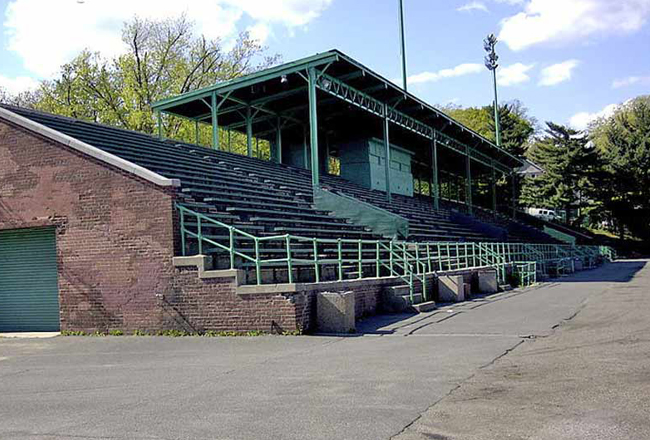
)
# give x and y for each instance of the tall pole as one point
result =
(402, 42)
(496, 109)
(491, 62)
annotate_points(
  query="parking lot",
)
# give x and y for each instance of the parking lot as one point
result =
(514, 365)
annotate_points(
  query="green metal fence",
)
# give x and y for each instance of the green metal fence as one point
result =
(358, 259)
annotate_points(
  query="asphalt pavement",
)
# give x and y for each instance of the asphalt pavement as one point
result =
(447, 374)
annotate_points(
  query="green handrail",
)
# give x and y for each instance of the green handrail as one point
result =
(392, 255)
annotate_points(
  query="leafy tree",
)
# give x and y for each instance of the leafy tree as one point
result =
(569, 160)
(163, 59)
(517, 129)
(623, 183)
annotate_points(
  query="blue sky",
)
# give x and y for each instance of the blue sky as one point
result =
(566, 60)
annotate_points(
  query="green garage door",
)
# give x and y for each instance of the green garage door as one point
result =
(29, 297)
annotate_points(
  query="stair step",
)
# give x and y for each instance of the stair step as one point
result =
(425, 306)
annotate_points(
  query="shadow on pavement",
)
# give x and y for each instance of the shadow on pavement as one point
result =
(623, 273)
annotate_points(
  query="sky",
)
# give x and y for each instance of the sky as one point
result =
(568, 61)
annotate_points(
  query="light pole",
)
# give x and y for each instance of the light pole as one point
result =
(491, 63)
(402, 43)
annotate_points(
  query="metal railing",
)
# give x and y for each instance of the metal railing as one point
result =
(359, 258)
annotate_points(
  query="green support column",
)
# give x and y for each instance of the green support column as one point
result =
(196, 132)
(313, 129)
(468, 191)
(278, 142)
(494, 189)
(160, 128)
(215, 122)
(249, 132)
(387, 154)
(435, 188)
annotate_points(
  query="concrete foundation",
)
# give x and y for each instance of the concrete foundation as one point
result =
(335, 312)
(451, 288)
(487, 282)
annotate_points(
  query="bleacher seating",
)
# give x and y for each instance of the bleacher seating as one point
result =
(260, 197)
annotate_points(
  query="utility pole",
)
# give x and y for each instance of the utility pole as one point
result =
(491, 59)
(402, 43)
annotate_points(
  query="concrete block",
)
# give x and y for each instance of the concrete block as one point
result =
(467, 290)
(397, 299)
(578, 265)
(451, 288)
(335, 312)
(487, 282)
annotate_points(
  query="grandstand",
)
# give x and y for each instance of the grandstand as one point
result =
(271, 224)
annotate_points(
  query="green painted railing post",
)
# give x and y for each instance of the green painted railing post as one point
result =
(425, 295)
(183, 251)
(289, 259)
(417, 258)
(339, 248)
(429, 259)
(231, 240)
(360, 262)
(199, 234)
(316, 265)
(404, 257)
(411, 285)
(390, 257)
(377, 259)
(258, 264)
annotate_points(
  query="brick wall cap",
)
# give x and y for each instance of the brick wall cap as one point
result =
(85, 148)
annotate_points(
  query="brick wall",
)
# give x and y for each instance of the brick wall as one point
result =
(116, 236)
(114, 230)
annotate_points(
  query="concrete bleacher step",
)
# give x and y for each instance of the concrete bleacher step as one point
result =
(397, 299)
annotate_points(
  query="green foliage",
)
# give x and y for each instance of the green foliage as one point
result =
(623, 180)
(163, 59)
(116, 333)
(569, 161)
(516, 125)
(73, 333)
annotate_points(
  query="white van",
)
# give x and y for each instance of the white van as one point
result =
(543, 213)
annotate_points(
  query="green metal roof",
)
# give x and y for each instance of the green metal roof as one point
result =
(348, 70)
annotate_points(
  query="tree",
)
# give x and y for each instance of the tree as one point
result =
(163, 59)
(569, 161)
(517, 129)
(623, 183)
(517, 126)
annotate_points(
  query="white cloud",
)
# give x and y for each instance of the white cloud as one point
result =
(460, 70)
(473, 6)
(561, 21)
(513, 74)
(259, 31)
(17, 84)
(558, 73)
(630, 81)
(581, 121)
(46, 34)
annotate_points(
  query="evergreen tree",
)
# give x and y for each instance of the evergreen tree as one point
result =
(623, 183)
(569, 161)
